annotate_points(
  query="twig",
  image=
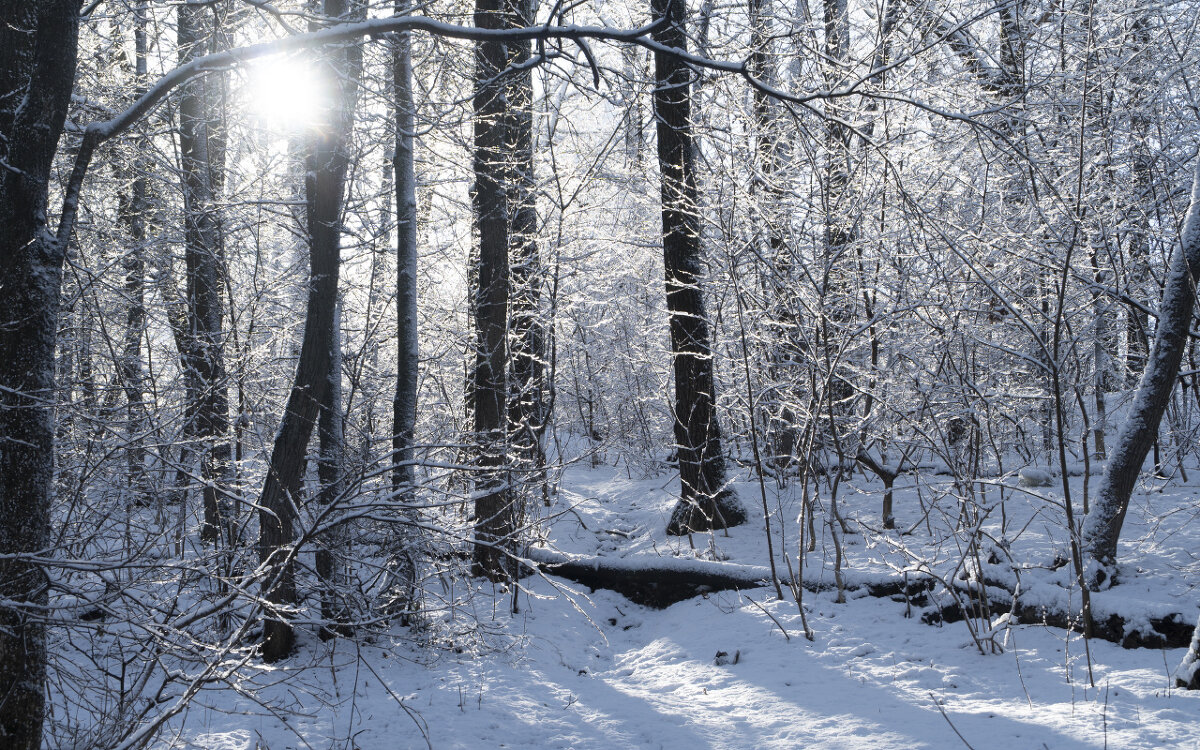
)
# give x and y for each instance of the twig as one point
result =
(768, 614)
(951, 723)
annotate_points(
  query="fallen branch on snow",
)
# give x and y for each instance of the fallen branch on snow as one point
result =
(662, 581)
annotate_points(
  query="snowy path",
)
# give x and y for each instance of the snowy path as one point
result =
(869, 680)
(603, 673)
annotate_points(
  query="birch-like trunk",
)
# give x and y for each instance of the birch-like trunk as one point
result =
(404, 406)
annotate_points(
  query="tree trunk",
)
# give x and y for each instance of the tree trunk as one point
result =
(495, 519)
(840, 233)
(1102, 526)
(38, 43)
(133, 208)
(705, 502)
(325, 178)
(1187, 675)
(202, 166)
(333, 544)
(1103, 354)
(633, 121)
(527, 337)
(784, 346)
(841, 236)
(404, 407)
(1139, 276)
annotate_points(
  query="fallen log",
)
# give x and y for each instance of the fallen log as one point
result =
(659, 582)
(655, 582)
(1169, 631)
(662, 581)
(1128, 623)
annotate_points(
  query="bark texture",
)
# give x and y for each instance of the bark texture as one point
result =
(495, 521)
(333, 544)
(202, 162)
(527, 340)
(133, 207)
(705, 502)
(38, 43)
(325, 178)
(404, 406)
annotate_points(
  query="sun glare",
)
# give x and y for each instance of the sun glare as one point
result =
(285, 92)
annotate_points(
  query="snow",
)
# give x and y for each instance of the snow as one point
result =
(578, 669)
(1032, 476)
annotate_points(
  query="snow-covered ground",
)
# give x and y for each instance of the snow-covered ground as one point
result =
(577, 669)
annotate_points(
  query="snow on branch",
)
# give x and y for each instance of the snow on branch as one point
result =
(101, 131)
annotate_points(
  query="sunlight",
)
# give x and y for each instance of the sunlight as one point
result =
(286, 93)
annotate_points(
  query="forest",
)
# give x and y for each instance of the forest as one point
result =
(596, 374)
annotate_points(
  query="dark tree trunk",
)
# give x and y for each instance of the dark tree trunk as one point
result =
(177, 319)
(202, 166)
(839, 227)
(784, 345)
(705, 502)
(837, 285)
(325, 178)
(495, 521)
(38, 43)
(1140, 86)
(332, 546)
(1102, 526)
(527, 340)
(133, 208)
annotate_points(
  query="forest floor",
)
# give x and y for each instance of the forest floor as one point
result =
(580, 669)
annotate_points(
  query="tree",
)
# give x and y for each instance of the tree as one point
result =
(527, 408)
(1102, 525)
(956, 192)
(37, 71)
(133, 206)
(768, 186)
(705, 502)
(333, 544)
(1142, 160)
(404, 406)
(495, 510)
(202, 165)
(325, 166)
(1187, 675)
